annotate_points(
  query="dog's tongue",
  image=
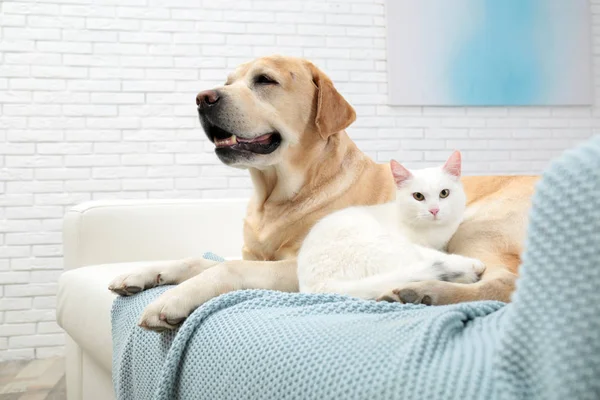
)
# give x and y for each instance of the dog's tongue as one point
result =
(260, 139)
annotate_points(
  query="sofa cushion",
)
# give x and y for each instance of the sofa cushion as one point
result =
(84, 305)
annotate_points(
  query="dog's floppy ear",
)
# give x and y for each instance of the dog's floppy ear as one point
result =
(334, 113)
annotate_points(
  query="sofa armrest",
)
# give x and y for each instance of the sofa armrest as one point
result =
(102, 232)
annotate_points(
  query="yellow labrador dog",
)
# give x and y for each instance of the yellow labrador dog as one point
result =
(283, 120)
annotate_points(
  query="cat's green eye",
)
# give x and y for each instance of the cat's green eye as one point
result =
(444, 193)
(418, 196)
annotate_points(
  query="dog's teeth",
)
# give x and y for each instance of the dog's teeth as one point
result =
(230, 141)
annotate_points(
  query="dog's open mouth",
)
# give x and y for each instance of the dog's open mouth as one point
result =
(263, 144)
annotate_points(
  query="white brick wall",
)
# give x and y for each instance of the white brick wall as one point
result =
(97, 101)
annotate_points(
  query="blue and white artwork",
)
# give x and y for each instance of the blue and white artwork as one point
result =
(489, 52)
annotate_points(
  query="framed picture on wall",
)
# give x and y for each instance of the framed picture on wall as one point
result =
(489, 52)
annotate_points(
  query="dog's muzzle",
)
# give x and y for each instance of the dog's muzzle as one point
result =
(209, 104)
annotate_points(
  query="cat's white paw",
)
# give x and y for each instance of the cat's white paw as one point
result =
(460, 269)
(478, 266)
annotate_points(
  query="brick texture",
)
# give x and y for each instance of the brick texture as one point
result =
(97, 101)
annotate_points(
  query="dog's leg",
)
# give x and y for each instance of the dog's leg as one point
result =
(499, 288)
(445, 267)
(176, 304)
(159, 273)
(497, 283)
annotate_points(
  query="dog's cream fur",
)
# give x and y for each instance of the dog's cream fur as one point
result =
(318, 169)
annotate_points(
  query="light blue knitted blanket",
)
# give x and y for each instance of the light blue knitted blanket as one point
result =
(269, 345)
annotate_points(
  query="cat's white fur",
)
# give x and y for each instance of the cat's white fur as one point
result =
(369, 250)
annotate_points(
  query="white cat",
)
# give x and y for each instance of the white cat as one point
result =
(369, 250)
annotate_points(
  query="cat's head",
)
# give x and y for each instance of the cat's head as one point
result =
(430, 195)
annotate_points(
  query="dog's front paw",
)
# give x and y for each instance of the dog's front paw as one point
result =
(166, 313)
(134, 282)
(157, 274)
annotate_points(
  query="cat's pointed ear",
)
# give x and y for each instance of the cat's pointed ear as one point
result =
(400, 173)
(453, 165)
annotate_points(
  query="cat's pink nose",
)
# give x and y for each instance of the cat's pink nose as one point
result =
(434, 211)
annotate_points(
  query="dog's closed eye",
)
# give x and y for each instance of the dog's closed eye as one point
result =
(263, 79)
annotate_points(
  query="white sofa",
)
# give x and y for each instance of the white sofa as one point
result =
(105, 238)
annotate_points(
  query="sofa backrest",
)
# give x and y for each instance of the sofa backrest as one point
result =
(101, 232)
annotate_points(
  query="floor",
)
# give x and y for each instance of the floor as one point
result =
(33, 380)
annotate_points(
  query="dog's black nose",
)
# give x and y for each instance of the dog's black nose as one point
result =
(207, 98)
